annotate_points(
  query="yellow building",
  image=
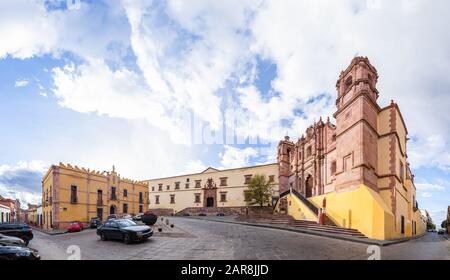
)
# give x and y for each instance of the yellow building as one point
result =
(358, 168)
(213, 189)
(71, 194)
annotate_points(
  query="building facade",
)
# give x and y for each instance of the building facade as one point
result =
(5, 214)
(366, 148)
(14, 207)
(212, 188)
(70, 193)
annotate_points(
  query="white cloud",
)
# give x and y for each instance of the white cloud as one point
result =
(192, 56)
(426, 195)
(26, 29)
(22, 181)
(194, 166)
(234, 157)
(21, 83)
(429, 187)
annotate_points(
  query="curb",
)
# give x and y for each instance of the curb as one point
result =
(381, 243)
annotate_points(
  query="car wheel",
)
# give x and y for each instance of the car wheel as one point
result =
(126, 239)
(103, 237)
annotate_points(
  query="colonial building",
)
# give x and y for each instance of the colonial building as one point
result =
(358, 166)
(212, 189)
(14, 207)
(70, 193)
(5, 214)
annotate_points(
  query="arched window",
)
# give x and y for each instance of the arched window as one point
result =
(348, 83)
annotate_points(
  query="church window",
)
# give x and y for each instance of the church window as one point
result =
(223, 181)
(347, 163)
(402, 172)
(248, 179)
(348, 82)
(198, 183)
(309, 151)
(333, 167)
(223, 197)
(197, 198)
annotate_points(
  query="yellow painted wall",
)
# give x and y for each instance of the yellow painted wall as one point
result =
(88, 183)
(298, 210)
(362, 209)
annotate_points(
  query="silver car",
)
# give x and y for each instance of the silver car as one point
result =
(11, 241)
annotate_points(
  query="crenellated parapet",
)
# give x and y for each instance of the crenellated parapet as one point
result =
(104, 174)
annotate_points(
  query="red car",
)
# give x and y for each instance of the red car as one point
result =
(75, 227)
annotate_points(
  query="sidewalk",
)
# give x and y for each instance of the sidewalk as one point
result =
(232, 220)
(49, 232)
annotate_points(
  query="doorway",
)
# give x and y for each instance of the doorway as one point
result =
(210, 202)
(309, 186)
(112, 210)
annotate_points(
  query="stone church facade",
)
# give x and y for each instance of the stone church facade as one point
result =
(366, 147)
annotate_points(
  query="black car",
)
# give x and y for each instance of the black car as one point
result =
(123, 229)
(95, 223)
(18, 253)
(23, 231)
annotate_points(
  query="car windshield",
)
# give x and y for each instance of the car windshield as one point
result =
(125, 223)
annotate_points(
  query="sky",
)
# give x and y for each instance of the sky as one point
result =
(159, 88)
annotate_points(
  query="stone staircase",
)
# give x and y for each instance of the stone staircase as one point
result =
(286, 220)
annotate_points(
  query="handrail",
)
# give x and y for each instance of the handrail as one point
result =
(311, 206)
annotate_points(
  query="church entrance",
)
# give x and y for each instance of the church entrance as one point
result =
(210, 202)
(309, 186)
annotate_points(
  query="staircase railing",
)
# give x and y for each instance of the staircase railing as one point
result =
(303, 199)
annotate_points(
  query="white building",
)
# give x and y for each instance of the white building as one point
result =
(5, 214)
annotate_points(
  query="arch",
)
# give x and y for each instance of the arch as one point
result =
(309, 184)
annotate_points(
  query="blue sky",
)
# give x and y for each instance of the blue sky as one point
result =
(166, 87)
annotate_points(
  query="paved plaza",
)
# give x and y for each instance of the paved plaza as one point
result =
(222, 241)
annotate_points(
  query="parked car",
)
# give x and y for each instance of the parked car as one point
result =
(138, 217)
(220, 214)
(75, 227)
(112, 216)
(18, 253)
(22, 231)
(202, 214)
(186, 214)
(441, 231)
(94, 223)
(125, 230)
(11, 241)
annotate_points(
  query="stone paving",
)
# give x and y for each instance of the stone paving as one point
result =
(220, 241)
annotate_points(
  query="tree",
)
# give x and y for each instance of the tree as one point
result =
(444, 224)
(259, 191)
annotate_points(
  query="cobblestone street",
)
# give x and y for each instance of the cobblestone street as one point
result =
(222, 241)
